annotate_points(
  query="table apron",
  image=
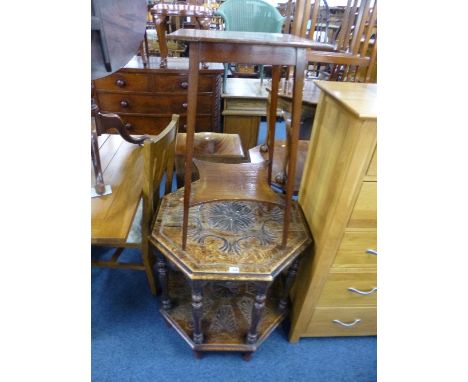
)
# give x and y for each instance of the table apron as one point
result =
(247, 54)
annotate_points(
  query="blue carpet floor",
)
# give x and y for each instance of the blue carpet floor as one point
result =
(131, 341)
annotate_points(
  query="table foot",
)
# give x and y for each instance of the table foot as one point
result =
(197, 354)
(247, 356)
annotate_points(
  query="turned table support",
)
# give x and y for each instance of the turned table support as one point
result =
(197, 310)
(292, 272)
(163, 281)
(257, 312)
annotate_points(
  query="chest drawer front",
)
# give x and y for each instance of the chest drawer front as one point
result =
(154, 125)
(343, 321)
(122, 81)
(257, 106)
(357, 249)
(179, 83)
(364, 213)
(151, 104)
(349, 289)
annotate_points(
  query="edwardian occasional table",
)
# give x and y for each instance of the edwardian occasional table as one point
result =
(249, 48)
(233, 292)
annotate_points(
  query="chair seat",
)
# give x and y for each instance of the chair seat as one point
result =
(209, 146)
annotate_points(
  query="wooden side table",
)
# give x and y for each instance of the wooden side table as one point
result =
(232, 297)
(249, 48)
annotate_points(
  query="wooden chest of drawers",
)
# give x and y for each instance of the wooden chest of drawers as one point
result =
(336, 293)
(146, 98)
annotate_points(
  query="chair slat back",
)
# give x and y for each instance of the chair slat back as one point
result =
(158, 158)
(355, 53)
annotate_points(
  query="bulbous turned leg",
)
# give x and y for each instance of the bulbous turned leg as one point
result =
(257, 312)
(163, 282)
(292, 272)
(197, 309)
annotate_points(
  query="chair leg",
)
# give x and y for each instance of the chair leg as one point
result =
(148, 261)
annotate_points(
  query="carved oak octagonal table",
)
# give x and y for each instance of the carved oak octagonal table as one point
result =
(233, 292)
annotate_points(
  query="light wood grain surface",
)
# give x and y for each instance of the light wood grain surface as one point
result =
(339, 203)
(112, 215)
(251, 88)
(360, 100)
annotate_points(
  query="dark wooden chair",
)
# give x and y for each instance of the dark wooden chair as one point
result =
(355, 54)
(158, 159)
(161, 11)
(352, 59)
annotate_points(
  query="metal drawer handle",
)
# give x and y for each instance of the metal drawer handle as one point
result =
(184, 105)
(183, 84)
(128, 126)
(124, 103)
(120, 83)
(356, 321)
(373, 290)
(371, 251)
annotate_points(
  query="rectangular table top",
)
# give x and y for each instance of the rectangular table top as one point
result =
(251, 38)
(112, 215)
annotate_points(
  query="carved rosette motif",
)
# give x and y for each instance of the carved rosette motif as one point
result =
(235, 236)
(233, 222)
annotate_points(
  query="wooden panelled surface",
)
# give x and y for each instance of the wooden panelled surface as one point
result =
(340, 207)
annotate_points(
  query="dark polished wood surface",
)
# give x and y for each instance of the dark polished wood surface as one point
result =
(253, 38)
(226, 314)
(246, 47)
(174, 65)
(146, 97)
(229, 240)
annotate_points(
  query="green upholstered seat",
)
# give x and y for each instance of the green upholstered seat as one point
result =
(249, 16)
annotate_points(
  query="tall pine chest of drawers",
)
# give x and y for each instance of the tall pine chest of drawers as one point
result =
(336, 290)
(146, 97)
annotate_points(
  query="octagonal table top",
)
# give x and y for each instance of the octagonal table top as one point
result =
(229, 240)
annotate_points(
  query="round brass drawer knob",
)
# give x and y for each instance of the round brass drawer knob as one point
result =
(120, 83)
(124, 103)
